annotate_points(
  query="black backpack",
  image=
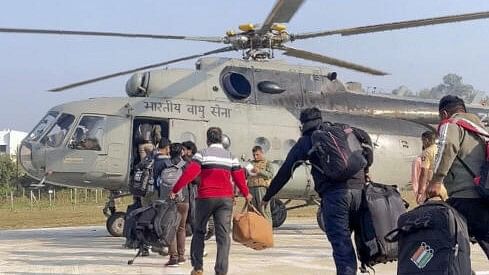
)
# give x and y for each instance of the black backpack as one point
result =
(382, 205)
(433, 239)
(142, 178)
(129, 231)
(337, 152)
(155, 225)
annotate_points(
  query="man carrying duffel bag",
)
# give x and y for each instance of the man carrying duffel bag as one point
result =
(462, 165)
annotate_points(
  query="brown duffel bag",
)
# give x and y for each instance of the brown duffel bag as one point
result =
(251, 229)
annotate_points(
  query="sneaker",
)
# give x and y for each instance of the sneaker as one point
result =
(181, 260)
(173, 262)
(197, 272)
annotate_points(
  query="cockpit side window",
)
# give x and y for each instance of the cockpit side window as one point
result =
(58, 132)
(43, 125)
(89, 133)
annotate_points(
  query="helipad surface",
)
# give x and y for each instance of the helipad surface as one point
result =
(300, 248)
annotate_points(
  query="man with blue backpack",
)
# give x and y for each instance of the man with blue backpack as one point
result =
(339, 166)
(462, 165)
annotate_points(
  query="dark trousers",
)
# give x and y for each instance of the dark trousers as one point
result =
(221, 209)
(177, 247)
(341, 212)
(476, 213)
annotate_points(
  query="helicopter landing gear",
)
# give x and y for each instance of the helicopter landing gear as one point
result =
(115, 219)
(279, 212)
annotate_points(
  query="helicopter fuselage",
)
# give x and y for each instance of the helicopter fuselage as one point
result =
(253, 102)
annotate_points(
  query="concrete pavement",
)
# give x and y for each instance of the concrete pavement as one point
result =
(300, 248)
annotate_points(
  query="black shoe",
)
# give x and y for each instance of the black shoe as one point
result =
(145, 252)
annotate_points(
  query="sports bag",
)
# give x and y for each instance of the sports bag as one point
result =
(432, 239)
(169, 177)
(481, 176)
(382, 205)
(337, 152)
(155, 225)
(142, 178)
(251, 229)
(129, 231)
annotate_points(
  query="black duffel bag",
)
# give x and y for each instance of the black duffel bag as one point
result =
(382, 205)
(155, 225)
(433, 239)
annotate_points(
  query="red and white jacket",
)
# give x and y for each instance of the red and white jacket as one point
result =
(216, 167)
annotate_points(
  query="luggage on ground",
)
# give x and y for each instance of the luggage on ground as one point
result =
(338, 152)
(251, 229)
(142, 178)
(382, 205)
(129, 226)
(155, 225)
(432, 239)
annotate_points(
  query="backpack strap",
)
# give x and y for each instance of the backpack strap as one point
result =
(181, 164)
(466, 125)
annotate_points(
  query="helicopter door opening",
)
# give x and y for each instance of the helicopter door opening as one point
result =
(147, 133)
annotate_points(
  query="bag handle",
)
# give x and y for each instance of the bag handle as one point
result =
(393, 236)
(248, 206)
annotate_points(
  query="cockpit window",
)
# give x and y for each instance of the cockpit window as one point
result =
(43, 125)
(58, 132)
(89, 134)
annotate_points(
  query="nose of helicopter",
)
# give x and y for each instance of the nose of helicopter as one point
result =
(31, 160)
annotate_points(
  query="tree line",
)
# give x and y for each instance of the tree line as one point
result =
(452, 84)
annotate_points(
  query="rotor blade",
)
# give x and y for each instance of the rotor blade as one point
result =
(282, 12)
(73, 85)
(396, 25)
(329, 60)
(214, 39)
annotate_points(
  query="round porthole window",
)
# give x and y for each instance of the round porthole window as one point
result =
(226, 142)
(236, 85)
(263, 142)
(187, 136)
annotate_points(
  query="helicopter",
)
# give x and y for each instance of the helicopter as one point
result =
(256, 100)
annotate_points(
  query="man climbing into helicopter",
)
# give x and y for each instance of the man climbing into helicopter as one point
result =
(340, 197)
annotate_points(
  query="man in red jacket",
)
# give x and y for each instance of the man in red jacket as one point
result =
(216, 167)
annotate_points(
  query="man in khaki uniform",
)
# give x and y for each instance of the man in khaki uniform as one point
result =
(459, 151)
(427, 165)
(259, 180)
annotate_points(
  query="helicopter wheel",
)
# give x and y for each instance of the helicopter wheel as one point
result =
(115, 224)
(279, 212)
(320, 220)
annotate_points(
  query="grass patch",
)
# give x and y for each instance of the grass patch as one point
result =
(63, 211)
(59, 213)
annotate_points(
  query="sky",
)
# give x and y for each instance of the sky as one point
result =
(32, 64)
